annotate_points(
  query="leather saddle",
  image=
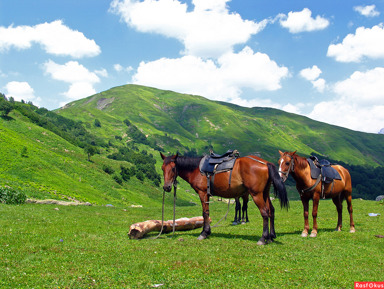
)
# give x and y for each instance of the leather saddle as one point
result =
(323, 168)
(214, 163)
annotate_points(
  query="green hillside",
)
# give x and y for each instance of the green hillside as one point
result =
(104, 149)
(183, 122)
(45, 166)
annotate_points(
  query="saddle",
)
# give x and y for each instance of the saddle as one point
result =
(323, 168)
(322, 171)
(214, 163)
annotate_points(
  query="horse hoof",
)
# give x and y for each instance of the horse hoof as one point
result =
(352, 230)
(313, 235)
(201, 237)
(304, 235)
(234, 223)
(260, 243)
(243, 223)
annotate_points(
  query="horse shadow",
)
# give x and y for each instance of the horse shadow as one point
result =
(255, 238)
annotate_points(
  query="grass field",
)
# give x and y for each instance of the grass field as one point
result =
(47, 246)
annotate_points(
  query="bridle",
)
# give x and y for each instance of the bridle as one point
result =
(291, 168)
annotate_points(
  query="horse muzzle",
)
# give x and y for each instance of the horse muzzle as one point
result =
(167, 188)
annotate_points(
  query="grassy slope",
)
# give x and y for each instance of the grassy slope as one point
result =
(81, 247)
(54, 168)
(197, 122)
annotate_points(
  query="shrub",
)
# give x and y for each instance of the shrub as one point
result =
(108, 169)
(118, 179)
(11, 196)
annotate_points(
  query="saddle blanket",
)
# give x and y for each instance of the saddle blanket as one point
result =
(328, 173)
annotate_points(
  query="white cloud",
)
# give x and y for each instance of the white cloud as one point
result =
(311, 73)
(363, 88)
(366, 42)
(21, 91)
(319, 84)
(368, 11)
(55, 38)
(359, 105)
(221, 81)
(81, 80)
(209, 30)
(118, 67)
(102, 72)
(302, 21)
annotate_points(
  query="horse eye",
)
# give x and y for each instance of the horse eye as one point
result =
(287, 163)
(173, 169)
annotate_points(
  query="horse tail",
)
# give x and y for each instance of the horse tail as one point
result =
(278, 185)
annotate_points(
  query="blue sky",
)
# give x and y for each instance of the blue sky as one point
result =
(322, 59)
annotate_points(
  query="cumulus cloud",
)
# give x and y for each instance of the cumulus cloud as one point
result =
(368, 11)
(366, 42)
(302, 21)
(21, 91)
(209, 30)
(81, 80)
(312, 74)
(219, 81)
(118, 67)
(54, 37)
(359, 104)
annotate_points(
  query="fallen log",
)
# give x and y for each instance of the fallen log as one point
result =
(139, 230)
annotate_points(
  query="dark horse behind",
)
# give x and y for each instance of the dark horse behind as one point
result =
(251, 175)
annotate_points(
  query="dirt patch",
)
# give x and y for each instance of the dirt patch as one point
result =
(57, 202)
(102, 103)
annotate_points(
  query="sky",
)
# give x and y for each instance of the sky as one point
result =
(321, 59)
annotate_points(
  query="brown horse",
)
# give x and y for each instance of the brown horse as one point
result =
(249, 175)
(241, 212)
(298, 167)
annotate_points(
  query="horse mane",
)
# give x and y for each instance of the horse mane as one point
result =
(187, 163)
(300, 162)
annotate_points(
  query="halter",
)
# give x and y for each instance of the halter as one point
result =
(290, 168)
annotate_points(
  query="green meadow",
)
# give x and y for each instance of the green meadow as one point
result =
(50, 246)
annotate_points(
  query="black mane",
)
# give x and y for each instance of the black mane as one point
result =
(187, 163)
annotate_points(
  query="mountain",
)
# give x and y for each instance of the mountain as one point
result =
(173, 121)
(104, 149)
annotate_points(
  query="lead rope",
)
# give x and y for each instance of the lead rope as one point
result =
(174, 207)
(225, 217)
(162, 217)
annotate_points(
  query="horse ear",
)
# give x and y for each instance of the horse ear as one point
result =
(281, 153)
(162, 156)
(294, 152)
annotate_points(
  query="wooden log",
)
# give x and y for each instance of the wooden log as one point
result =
(139, 230)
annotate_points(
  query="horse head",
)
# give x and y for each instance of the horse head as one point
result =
(169, 171)
(286, 164)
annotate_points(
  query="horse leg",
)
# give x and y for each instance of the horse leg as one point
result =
(350, 211)
(316, 199)
(237, 212)
(245, 210)
(339, 206)
(305, 202)
(205, 204)
(261, 204)
(272, 219)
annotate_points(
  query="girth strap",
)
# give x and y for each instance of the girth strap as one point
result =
(314, 186)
